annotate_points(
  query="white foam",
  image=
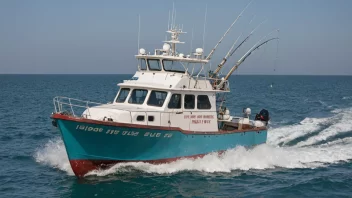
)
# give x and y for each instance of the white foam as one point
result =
(347, 98)
(285, 134)
(342, 124)
(54, 154)
(259, 158)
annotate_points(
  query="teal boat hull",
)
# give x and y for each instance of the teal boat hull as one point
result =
(92, 144)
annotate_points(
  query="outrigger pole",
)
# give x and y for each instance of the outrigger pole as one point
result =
(227, 31)
(249, 52)
(230, 52)
(222, 63)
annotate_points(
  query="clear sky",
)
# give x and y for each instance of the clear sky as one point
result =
(100, 37)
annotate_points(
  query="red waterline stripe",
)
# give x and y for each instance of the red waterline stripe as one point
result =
(82, 167)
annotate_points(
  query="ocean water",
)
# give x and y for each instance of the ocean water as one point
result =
(308, 151)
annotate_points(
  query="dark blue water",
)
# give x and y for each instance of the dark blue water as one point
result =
(308, 154)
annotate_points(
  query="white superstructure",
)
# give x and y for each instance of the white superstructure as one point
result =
(170, 89)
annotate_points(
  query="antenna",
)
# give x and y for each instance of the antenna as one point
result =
(175, 19)
(168, 22)
(139, 30)
(227, 31)
(190, 50)
(172, 15)
(205, 22)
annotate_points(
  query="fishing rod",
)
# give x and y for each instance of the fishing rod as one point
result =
(246, 39)
(240, 61)
(227, 31)
(230, 52)
(213, 74)
(244, 57)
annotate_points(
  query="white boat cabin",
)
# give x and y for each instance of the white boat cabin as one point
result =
(169, 89)
(163, 93)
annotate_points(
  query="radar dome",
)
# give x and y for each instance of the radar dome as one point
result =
(199, 51)
(142, 51)
(248, 111)
(166, 47)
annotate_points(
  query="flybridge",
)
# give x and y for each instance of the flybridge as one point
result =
(168, 58)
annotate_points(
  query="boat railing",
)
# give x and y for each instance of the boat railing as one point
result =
(72, 106)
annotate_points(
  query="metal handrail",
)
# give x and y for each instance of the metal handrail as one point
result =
(60, 102)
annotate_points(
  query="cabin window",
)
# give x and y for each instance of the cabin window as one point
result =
(142, 64)
(189, 101)
(154, 65)
(140, 118)
(203, 102)
(175, 102)
(173, 66)
(157, 98)
(150, 118)
(138, 96)
(122, 95)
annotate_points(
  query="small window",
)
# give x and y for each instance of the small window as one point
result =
(175, 102)
(154, 65)
(189, 101)
(137, 96)
(122, 95)
(203, 102)
(142, 64)
(150, 118)
(140, 118)
(173, 66)
(157, 98)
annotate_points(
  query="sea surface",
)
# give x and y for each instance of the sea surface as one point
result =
(308, 151)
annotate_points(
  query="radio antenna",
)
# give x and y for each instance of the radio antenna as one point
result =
(205, 22)
(139, 30)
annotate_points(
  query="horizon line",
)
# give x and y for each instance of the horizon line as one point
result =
(133, 74)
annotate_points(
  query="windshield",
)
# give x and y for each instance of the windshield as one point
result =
(123, 95)
(154, 65)
(142, 64)
(138, 96)
(157, 98)
(173, 66)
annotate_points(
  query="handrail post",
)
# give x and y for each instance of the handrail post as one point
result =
(55, 105)
(69, 100)
(88, 110)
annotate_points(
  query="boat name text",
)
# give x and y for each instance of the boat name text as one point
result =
(199, 119)
(123, 133)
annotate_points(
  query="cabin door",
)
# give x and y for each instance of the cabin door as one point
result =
(180, 119)
(154, 118)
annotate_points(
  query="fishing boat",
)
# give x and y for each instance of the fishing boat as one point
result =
(167, 111)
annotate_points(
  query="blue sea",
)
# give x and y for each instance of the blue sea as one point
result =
(308, 151)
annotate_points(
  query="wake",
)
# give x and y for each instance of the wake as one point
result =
(312, 143)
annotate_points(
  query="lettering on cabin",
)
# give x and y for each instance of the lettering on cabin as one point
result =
(199, 119)
(123, 133)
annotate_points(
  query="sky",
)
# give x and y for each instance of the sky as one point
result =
(100, 37)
